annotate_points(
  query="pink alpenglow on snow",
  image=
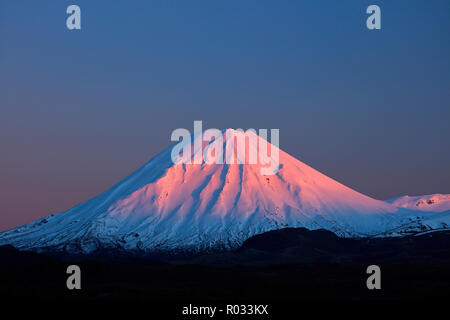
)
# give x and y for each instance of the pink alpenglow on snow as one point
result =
(208, 206)
(436, 205)
(227, 147)
(433, 202)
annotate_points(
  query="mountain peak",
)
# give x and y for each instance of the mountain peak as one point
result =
(208, 206)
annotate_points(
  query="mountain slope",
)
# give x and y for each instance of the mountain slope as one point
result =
(439, 221)
(166, 206)
(432, 202)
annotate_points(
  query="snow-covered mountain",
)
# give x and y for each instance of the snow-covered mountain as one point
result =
(166, 206)
(438, 205)
(432, 202)
(439, 221)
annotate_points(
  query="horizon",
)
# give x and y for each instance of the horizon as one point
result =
(81, 110)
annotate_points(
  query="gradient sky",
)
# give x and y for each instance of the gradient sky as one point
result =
(80, 110)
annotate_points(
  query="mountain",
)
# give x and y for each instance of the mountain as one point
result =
(438, 205)
(201, 207)
(435, 222)
(433, 202)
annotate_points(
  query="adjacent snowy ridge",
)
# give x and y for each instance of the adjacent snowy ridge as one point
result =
(166, 207)
(433, 202)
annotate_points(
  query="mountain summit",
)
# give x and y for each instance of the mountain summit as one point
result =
(165, 206)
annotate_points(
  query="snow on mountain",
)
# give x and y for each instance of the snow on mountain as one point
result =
(439, 221)
(438, 205)
(433, 202)
(166, 206)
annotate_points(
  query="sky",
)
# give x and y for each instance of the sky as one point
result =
(82, 109)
